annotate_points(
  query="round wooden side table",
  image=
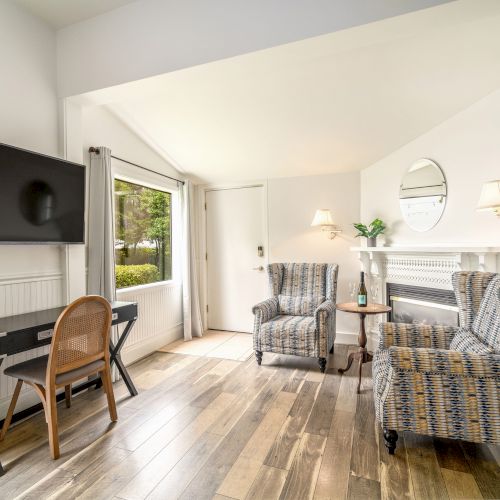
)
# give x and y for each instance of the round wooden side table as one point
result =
(362, 355)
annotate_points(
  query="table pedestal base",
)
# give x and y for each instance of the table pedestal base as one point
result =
(362, 356)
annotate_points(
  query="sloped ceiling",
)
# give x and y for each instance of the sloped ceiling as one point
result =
(61, 13)
(333, 103)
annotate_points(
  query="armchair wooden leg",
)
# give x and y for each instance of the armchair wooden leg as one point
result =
(322, 364)
(10, 411)
(67, 395)
(108, 387)
(258, 355)
(51, 408)
(390, 438)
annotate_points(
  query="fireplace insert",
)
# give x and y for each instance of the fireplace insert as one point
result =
(422, 305)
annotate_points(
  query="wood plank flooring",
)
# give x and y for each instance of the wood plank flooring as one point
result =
(204, 428)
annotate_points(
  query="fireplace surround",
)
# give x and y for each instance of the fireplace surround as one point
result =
(425, 276)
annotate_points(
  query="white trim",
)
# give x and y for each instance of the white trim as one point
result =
(428, 249)
(350, 338)
(156, 284)
(7, 279)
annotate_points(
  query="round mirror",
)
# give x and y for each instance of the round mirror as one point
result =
(422, 195)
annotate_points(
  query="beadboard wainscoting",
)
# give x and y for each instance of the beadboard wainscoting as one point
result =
(159, 321)
(22, 293)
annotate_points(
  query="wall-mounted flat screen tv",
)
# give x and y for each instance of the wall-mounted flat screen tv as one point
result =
(42, 199)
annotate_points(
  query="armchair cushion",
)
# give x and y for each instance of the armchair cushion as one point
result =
(299, 306)
(304, 279)
(465, 341)
(486, 325)
(290, 335)
(411, 335)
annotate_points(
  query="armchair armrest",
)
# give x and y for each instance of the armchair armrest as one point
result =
(266, 310)
(325, 316)
(445, 362)
(325, 308)
(410, 335)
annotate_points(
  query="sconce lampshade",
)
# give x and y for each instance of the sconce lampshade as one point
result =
(322, 217)
(490, 197)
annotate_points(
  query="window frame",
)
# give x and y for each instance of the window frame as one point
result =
(136, 178)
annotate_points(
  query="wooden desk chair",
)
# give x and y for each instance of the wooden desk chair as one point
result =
(79, 348)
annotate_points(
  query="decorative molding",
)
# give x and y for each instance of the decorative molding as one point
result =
(9, 279)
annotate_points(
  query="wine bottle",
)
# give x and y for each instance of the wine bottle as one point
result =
(362, 294)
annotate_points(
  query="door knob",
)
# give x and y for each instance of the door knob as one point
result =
(260, 268)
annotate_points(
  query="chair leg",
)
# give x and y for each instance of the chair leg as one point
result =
(390, 438)
(258, 355)
(51, 407)
(10, 411)
(108, 387)
(67, 395)
(322, 364)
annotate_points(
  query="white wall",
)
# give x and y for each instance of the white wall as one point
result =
(467, 147)
(31, 276)
(102, 128)
(292, 203)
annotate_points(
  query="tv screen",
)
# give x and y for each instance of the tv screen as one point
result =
(42, 199)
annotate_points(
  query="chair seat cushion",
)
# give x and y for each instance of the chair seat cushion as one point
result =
(465, 341)
(35, 370)
(298, 305)
(290, 334)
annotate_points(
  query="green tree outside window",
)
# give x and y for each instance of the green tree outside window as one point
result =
(143, 232)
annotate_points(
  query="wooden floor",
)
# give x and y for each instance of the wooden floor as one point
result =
(210, 428)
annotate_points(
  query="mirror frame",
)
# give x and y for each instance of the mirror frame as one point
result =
(445, 195)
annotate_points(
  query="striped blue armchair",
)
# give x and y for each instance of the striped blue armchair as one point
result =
(443, 380)
(299, 319)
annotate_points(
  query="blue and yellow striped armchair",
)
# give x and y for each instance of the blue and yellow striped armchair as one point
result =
(300, 317)
(443, 380)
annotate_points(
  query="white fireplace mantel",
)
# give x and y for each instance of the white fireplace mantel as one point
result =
(429, 266)
(430, 249)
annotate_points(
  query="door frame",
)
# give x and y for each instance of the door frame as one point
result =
(202, 242)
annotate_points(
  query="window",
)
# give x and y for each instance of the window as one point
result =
(143, 229)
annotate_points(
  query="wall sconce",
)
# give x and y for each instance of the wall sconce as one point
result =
(323, 218)
(490, 197)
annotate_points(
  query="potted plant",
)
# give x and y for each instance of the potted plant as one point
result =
(371, 231)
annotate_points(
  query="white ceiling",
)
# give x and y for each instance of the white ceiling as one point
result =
(61, 13)
(333, 103)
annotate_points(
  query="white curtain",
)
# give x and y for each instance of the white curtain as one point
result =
(101, 241)
(193, 326)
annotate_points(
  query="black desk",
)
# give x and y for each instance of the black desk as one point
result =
(24, 332)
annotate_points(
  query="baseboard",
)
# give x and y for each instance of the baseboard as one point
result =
(351, 338)
(151, 344)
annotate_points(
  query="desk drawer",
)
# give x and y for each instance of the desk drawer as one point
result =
(124, 313)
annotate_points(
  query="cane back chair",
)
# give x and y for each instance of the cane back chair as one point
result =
(79, 348)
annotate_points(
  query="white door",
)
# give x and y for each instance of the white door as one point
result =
(237, 278)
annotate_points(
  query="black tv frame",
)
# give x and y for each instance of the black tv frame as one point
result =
(84, 232)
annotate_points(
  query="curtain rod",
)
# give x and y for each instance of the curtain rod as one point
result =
(96, 150)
